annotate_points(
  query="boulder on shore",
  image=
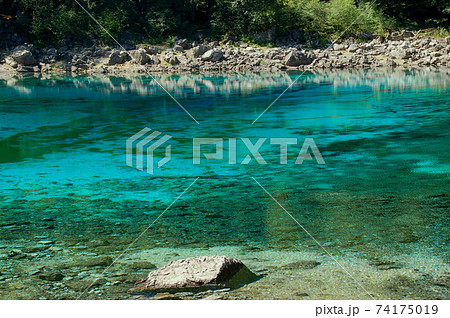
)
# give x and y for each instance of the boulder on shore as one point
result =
(212, 55)
(117, 57)
(139, 56)
(297, 58)
(23, 57)
(172, 59)
(203, 272)
(198, 51)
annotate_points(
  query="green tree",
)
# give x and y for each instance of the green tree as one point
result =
(245, 16)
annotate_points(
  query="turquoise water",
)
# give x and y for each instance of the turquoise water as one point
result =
(382, 194)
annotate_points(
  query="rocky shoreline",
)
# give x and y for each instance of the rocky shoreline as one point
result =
(400, 50)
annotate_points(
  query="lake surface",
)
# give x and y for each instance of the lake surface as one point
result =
(380, 204)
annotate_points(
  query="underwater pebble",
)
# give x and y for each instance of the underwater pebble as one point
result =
(141, 265)
(46, 242)
(385, 265)
(303, 264)
(442, 281)
(165, 296)
(51, 276)
(35, 248)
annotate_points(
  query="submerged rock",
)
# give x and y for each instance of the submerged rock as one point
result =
(35, 248)
(82, 285)
(97, 261)
(178, 48)
(303, 264)
(201, 272)
(442, 281)
(16, 254)
(406, 236)
(52, 276)
(142, 265)
(385, 265)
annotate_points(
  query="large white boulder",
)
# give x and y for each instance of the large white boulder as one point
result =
(196, 273)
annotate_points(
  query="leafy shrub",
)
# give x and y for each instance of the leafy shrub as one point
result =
(65, 23)
(309, 15)
(52, 20)
(245, 16)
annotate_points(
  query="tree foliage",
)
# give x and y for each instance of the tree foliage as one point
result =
(53, 20)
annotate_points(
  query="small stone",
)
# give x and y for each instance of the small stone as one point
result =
(352, 48)
(178, 48)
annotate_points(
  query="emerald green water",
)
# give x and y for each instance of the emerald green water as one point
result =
(383, 195)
